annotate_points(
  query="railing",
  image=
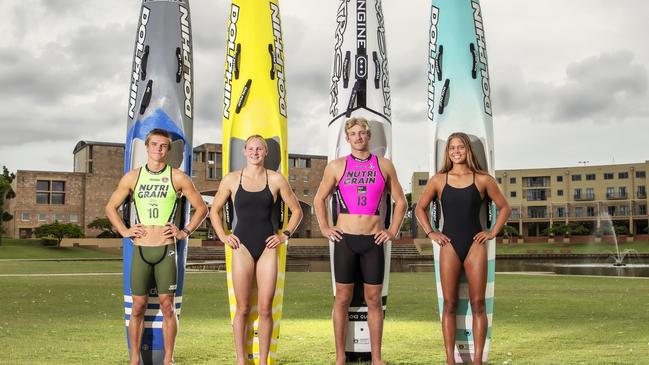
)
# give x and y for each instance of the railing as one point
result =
(530, 184)
(584, 197)
(641, 195)
(617, 196)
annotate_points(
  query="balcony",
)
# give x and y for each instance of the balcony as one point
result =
(536, 182)
(617, 196)
(641, 195)
(581, 198)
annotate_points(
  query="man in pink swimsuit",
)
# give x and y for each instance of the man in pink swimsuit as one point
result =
(357, 182)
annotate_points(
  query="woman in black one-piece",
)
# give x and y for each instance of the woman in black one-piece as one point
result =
(462, 187)
(254, 191)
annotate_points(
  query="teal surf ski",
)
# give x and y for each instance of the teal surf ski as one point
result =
(160, 96)
(459, 100)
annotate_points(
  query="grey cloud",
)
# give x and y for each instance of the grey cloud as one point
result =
(607, 87)
(82, 65)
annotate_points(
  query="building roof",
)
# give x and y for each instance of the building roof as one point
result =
(81, 144)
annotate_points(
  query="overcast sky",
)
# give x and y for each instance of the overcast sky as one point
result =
(570, 78)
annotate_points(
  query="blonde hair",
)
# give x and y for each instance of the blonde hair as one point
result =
(352, 122)
(158, 132)
(260, 138)
(471, 160)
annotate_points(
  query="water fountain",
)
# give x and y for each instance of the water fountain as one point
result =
(618, 267)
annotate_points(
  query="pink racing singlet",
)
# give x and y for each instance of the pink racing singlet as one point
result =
(360, 189)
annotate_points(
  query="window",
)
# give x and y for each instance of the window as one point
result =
(577, 193)
(560, 192)
(50, 192)
(42, 217)
(291, 162)
(561, 212)
(611, 211)
(590, 193)
(305, 178)
(642, 192)
(42, 185)
(25, 216)
(210, 173)
(42, 198)
(642, 209)
(559, 178)
(515, 213)
(576, 177)
(590, 176)
(640, 174)
(622, 175)
(211, 157)
(90, 167)
(58, 185)
(218, 173)
(590, 211)
(622, 190)
(624, 210)
(579, 211)
(305, 192)
(74, 217)
(194, 173)
(422, 182)
(218, 158)
(59, 217)
(536, 195)
(512, 180)
(57, 198)
(291, 177)
(303, 163)
(610, 192)
(500, 180)
(536, 212)
(512, 194)
(608, 176)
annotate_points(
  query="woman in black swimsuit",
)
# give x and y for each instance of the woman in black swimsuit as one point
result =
(255, 191)
(462, 186)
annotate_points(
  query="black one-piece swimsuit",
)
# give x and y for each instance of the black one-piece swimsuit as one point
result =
(461, 211)
(253, 210)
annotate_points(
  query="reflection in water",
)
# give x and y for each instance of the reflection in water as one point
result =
(640, 267)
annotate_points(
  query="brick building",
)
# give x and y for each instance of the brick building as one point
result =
(68, 197)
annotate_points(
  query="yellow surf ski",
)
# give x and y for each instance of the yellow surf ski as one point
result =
(254, 102)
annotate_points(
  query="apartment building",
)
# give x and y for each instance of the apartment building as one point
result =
(584, 194)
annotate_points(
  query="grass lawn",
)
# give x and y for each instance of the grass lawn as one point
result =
(538, 319)
(33, 249)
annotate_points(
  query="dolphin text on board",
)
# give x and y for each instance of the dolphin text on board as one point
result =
(137, 60)
(230, 60)
(432, 61)
(479, 32)
(187, 54)
(277, 58)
